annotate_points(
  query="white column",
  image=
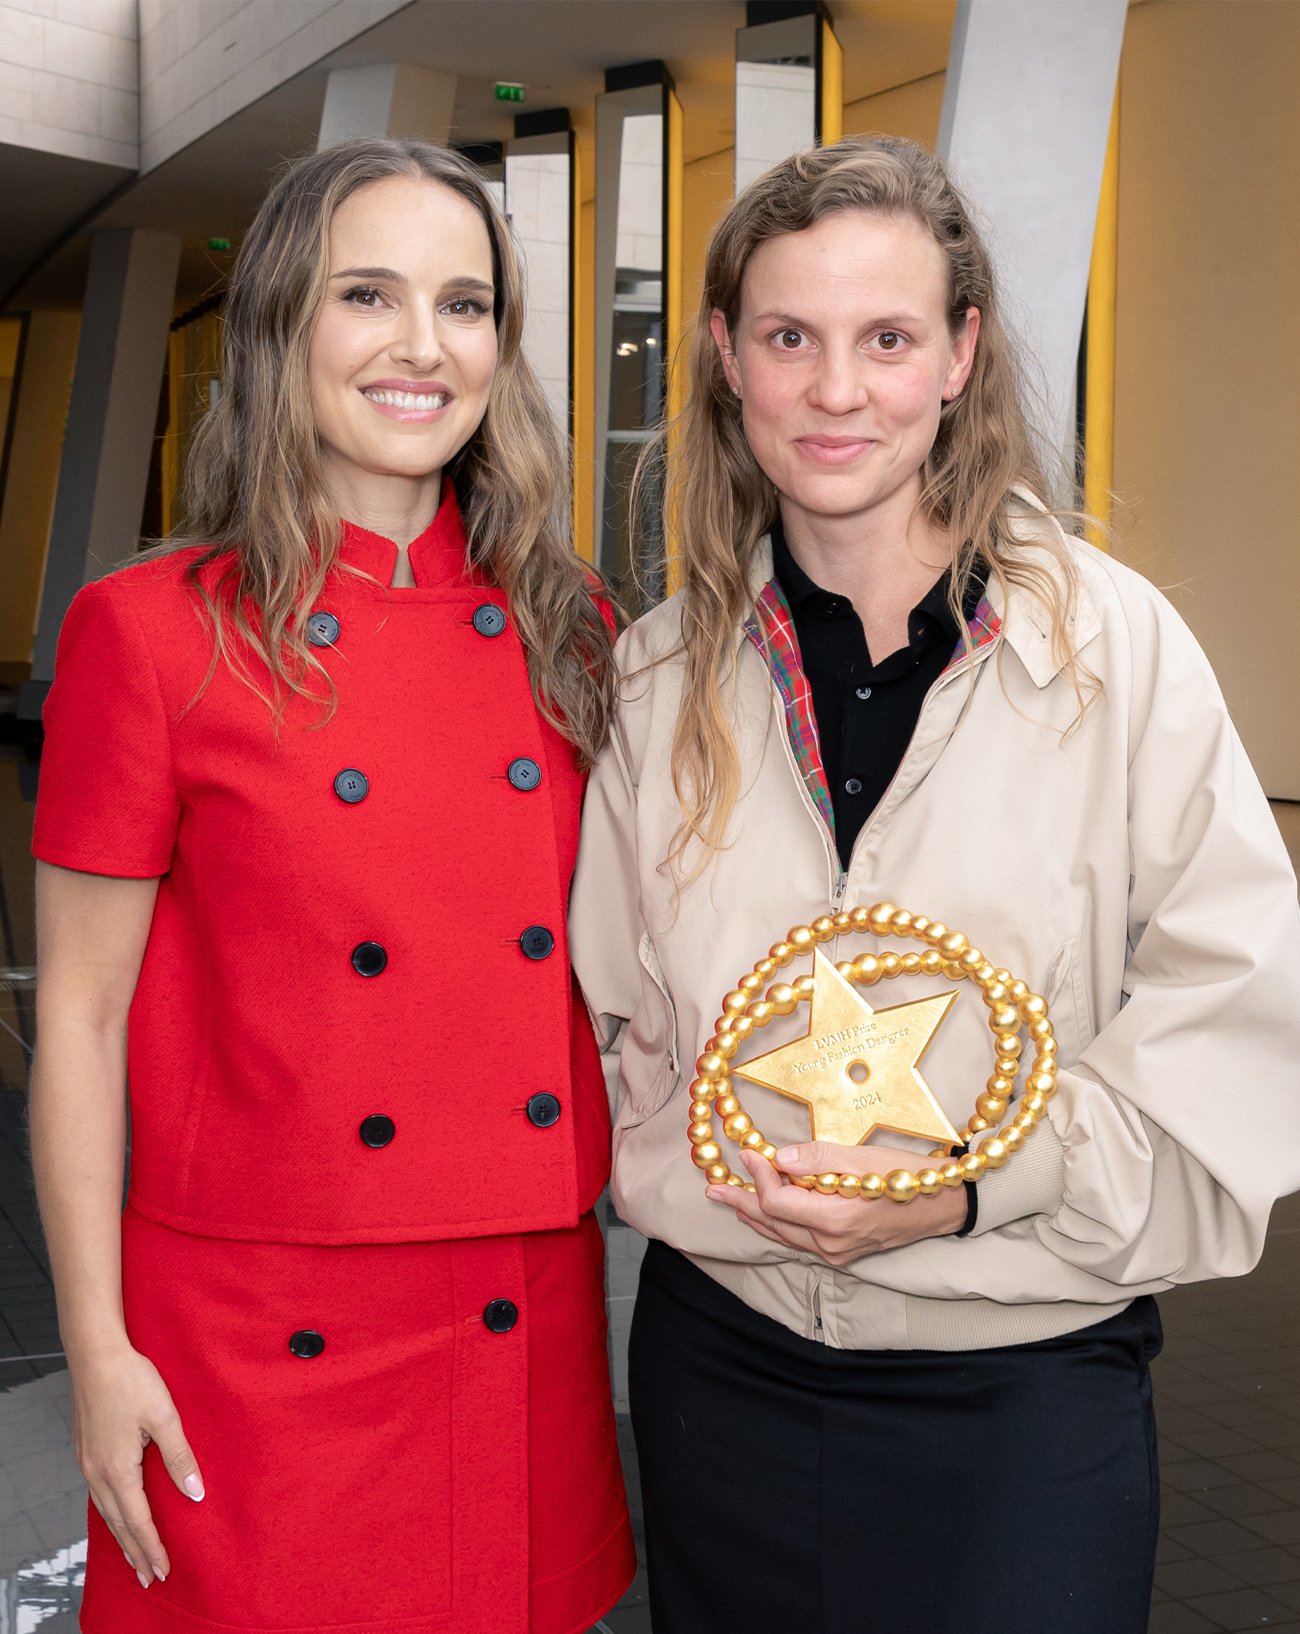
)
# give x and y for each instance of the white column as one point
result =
(387, 99)
(130, 288)
(1026, 114)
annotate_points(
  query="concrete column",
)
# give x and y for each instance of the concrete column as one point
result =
(387, 99)
(130, 288)
(39, 413)
(1026, 114)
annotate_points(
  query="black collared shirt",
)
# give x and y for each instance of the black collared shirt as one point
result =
(866, 711)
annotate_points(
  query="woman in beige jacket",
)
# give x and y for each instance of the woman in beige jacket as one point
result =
(891, 675)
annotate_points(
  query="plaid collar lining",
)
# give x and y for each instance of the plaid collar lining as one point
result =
(771, 629)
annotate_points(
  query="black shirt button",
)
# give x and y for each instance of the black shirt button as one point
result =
(500, 1315)
(306, 1343)
(864, 693)
(537, 942)
(377, 1130)
(543, 1110)
(322, 629)
(524, 773)
(853, 786)
(489, 619)
(368, 958)
(351, 786)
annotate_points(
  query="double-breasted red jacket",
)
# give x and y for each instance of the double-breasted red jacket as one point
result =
(355, 1020)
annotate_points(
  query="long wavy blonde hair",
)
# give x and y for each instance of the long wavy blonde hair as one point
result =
(256, 497)
(718, 503)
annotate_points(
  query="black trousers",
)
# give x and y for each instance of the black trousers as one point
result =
(791, 1488)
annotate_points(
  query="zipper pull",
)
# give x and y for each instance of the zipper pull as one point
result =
(841, 885)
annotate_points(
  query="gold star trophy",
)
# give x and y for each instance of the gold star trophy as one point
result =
(857, 1069)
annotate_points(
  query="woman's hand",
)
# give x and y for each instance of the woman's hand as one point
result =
(119, 1405)
(839, 1229)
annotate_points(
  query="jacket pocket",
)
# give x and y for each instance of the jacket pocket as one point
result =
(650, 1060)
(1066, 993)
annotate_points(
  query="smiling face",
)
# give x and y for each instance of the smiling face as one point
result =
(404, 347)
(843, 355)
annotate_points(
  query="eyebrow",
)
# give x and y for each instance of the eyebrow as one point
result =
(388, 276)
(889, 319)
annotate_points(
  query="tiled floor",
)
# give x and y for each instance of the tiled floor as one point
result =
(1227, 1387)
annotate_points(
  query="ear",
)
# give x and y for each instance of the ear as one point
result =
(722, 340)
(963, 354)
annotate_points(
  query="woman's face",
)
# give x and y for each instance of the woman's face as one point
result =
(404, 347)
(843, 356)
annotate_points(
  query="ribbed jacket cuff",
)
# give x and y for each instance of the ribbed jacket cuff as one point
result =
(1033, 1182)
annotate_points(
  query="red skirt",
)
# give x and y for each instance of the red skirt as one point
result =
(434, 1469)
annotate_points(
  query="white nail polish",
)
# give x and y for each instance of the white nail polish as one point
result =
(144, 1581)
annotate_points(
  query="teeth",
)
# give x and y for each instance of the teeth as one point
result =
(407, 399)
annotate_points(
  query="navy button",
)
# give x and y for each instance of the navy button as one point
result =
(489, 619)
(377, 1130)
(351, 786)
(524, 773)
(543, 1110)
(322, 629)
(537, 942)
(368, 958)
(307, 1343)
(853, 786)
(500, 1315)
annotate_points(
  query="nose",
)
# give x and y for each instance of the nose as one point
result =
(418, 341)
(840, 383)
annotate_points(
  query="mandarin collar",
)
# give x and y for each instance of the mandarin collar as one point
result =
(438, 555)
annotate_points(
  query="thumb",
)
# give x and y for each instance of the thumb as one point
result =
(177, 1455)
(812, 1157)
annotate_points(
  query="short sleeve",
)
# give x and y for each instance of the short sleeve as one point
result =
(107, 800)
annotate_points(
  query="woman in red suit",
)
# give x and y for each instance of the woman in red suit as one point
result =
(307, 819)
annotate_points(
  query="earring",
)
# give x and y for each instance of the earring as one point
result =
(735, 392)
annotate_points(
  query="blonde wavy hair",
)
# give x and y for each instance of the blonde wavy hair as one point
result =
(718, 503)
(256, 498)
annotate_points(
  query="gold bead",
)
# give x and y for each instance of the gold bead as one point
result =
(780, 953)
(890, 964)
(879, 916)
(753, 1141)
(900, 922)
(700, 1132)
(738, 1124)
(761, 1012)
(1004, 1065)
(1048, 1046)
(991, 1106)
(845, 968)
(935, 932)
(805, 986)
(700, 1091)
(1002, 974)
(900, 1185)
(782, 997)
(984, 973)
(827, 1184)
(768, 1151)
(823, 927)
(931, 962)
(750, 984)
(920, 924)
(994, 1151)
(972, 962)
(1003, 1018)
(709, 1152)
(953, 945)
(928, 1182)
(742, 1027)
(1000, 1084)
(726, 1046)
(1025, 1121)
(1033, 1101)
(749, 1185)
(700, 1109)
(806, 1182)
(1012, 1137)
(735, 1002)
(1011, 1045)
(870, 1187)
(1019, 990)
(996, 993)
(1042, 1082)
(800, 938)
(711, 1067)
(717, 1174)
(951, 1175)
(726, 1104)
(1032, 1007)
(866, 969)
(1040, 1029)
(849, 1186)
(976, 1124)
(860, 918)
(734, 1180)
(952, 970)
(765, 969)
(911, 963)
(972, 1166)
(843, 922)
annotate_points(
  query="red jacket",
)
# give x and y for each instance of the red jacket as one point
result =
(355, 1020)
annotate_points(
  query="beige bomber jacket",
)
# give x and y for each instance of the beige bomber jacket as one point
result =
(1130, 870)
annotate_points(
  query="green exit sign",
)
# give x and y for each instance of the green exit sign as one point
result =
(508, 93)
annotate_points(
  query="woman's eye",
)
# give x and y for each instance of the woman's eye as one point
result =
(889, 340)
(363, 295)
(465, 306)
(790, 339)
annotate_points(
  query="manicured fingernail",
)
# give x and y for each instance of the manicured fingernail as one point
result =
(193, 1485)
(144, 1581)
(713, 1193)
(787, 1154)
(158, 1572)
